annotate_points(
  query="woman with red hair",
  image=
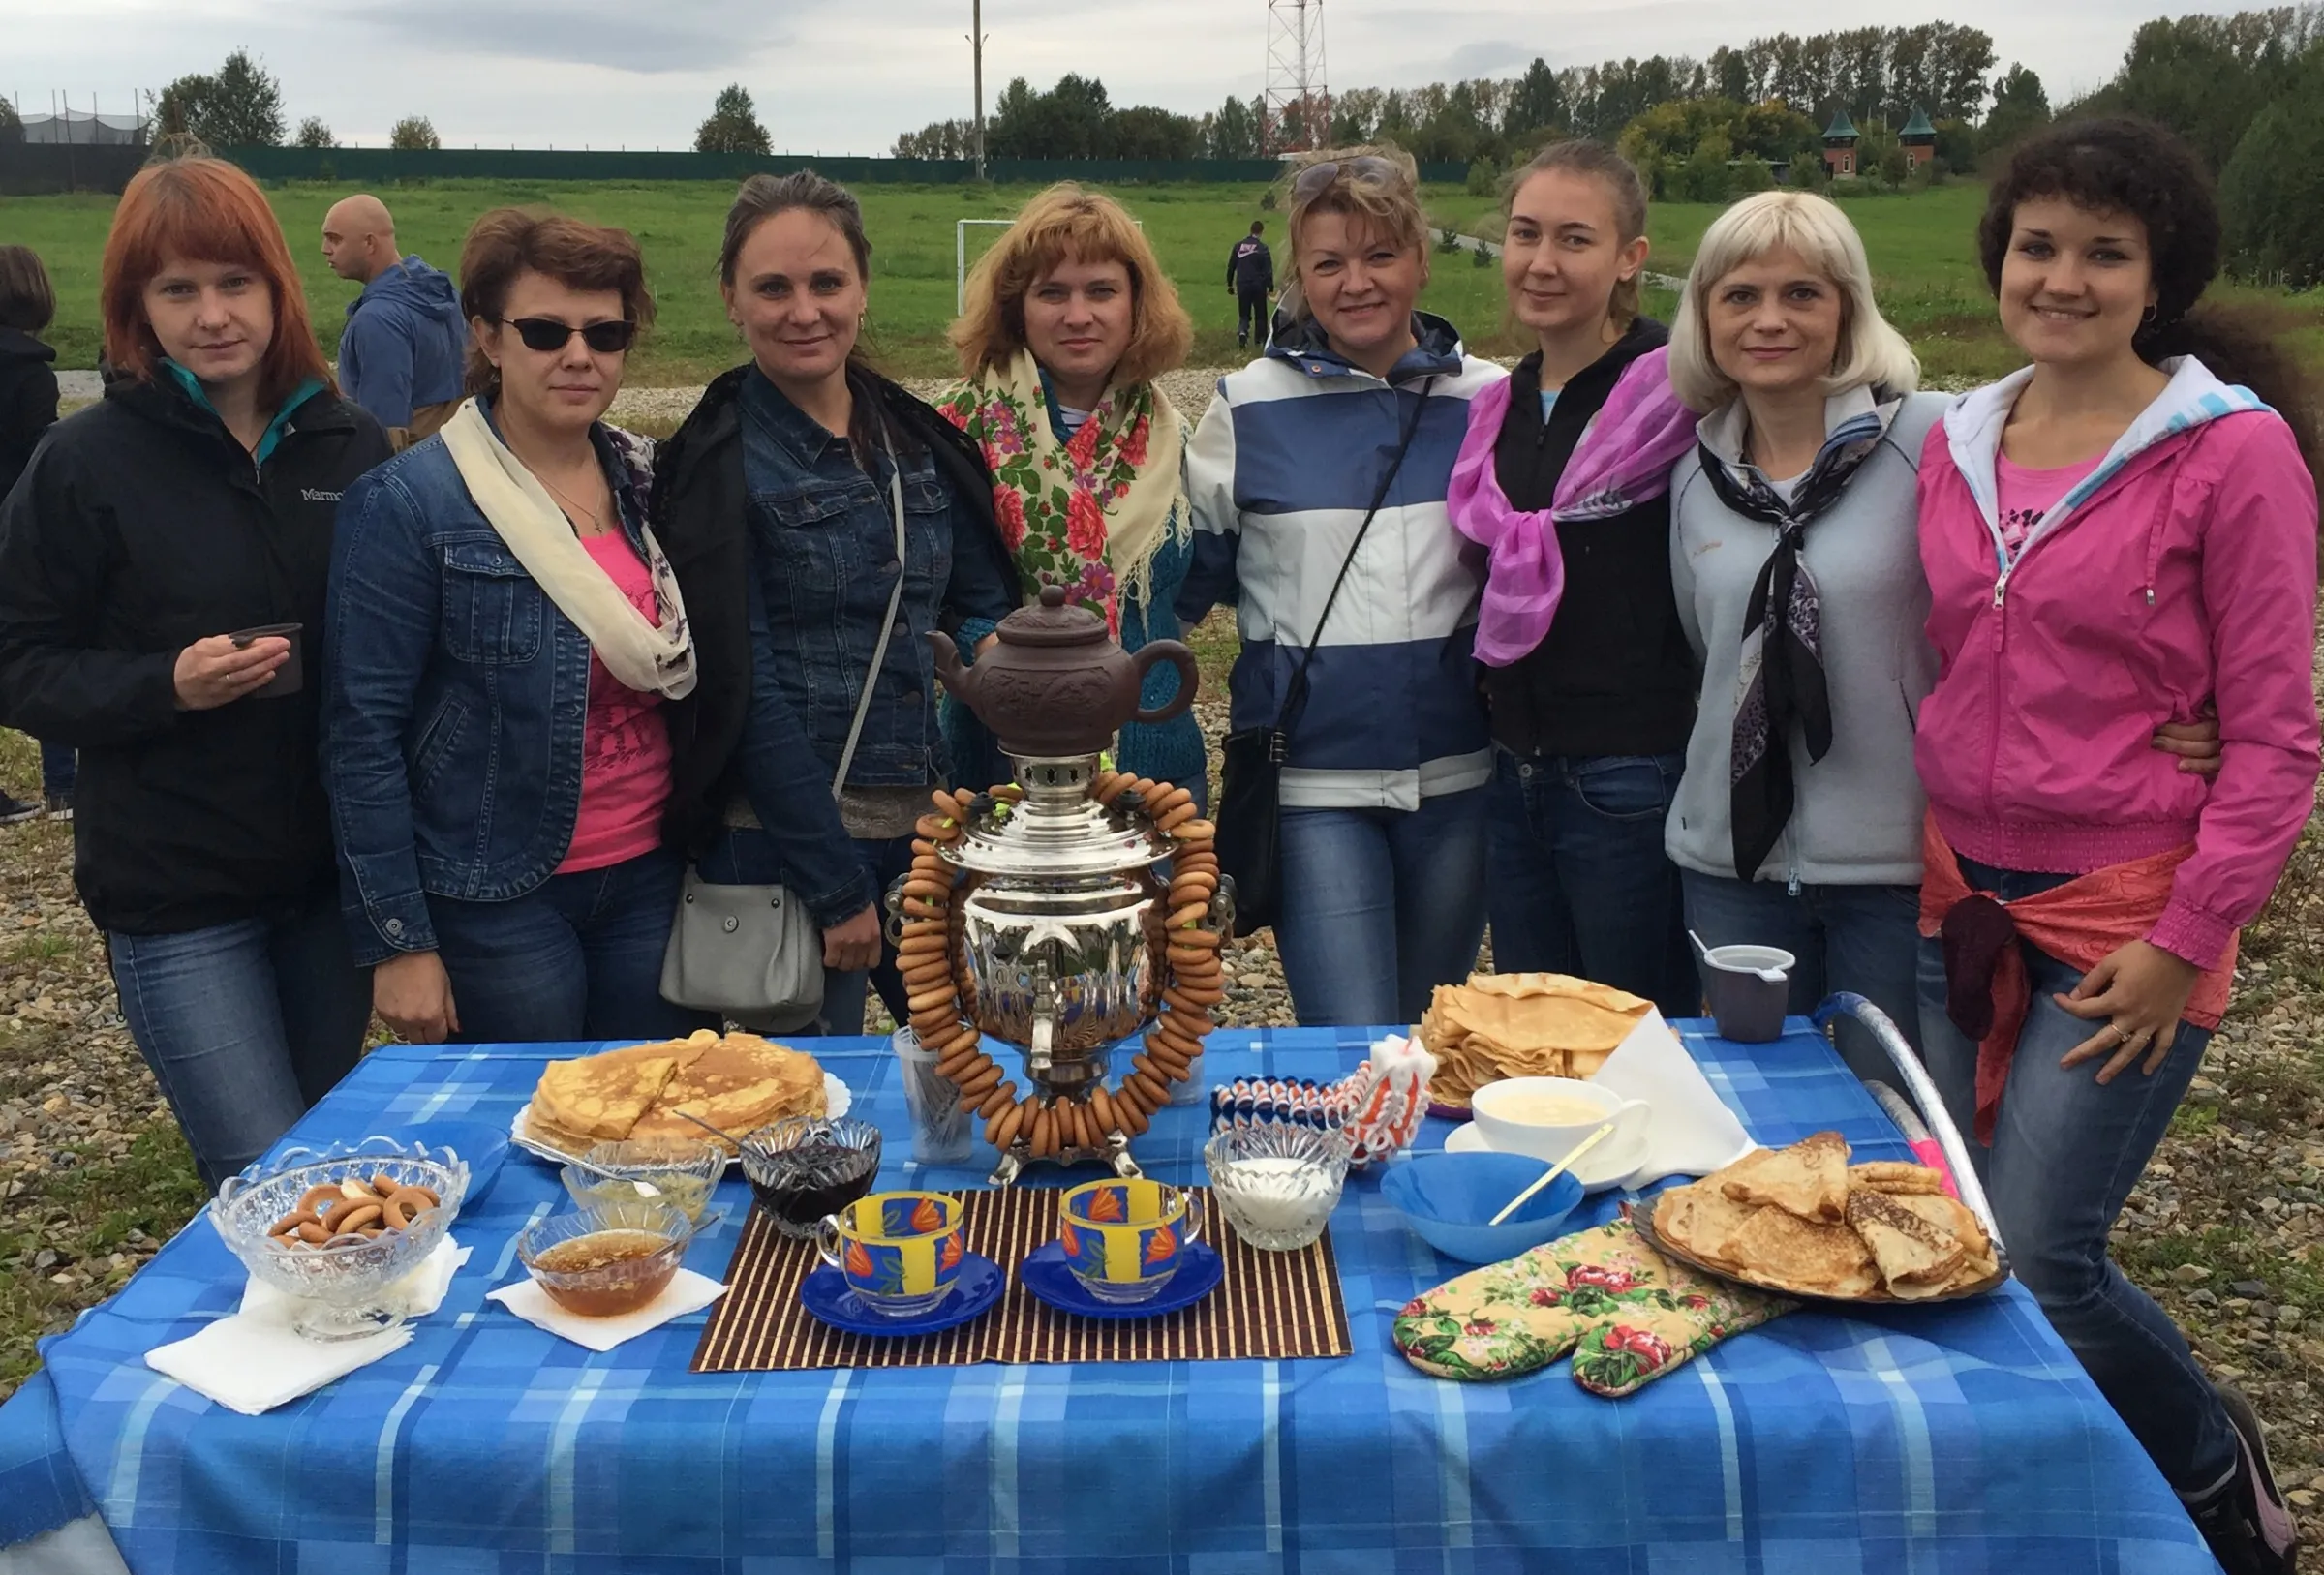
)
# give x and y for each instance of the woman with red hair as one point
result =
(161, 571)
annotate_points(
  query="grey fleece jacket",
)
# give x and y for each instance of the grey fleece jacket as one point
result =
(1857, 814)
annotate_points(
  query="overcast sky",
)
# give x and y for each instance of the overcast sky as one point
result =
(847, 76)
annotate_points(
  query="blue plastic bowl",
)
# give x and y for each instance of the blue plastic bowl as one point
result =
(1448, 1198)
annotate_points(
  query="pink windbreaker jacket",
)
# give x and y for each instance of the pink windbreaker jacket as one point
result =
(2183, 569)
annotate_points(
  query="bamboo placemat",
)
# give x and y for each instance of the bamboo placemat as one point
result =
(1267, 1305)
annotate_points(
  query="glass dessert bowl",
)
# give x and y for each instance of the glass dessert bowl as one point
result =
(336, 1228)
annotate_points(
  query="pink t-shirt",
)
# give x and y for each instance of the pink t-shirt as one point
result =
(624, 745)
(2024, 496)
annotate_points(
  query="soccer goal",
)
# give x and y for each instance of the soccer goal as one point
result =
(959, 256)
(961, 260)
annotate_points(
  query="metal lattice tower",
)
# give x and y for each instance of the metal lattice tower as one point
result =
(1298, 98)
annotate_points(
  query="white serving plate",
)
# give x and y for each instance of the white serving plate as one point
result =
(836, 1099)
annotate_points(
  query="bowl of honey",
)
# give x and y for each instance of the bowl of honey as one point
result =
(606, 1261)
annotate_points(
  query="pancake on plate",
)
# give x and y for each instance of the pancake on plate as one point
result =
(734, 1081)
(1522, 1025)
(738, 1083)
(1770, 1221)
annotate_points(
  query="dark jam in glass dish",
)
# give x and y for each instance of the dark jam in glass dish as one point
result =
(799, 1186)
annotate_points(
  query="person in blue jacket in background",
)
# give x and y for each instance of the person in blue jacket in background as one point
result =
(403, 351)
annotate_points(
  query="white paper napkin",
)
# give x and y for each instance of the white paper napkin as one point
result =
(253, 1360)
(687, 1292)
(1693, 1133)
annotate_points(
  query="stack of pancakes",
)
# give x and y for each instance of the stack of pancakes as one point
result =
(733, 1081)
(1803, 1220)
(1522, 1025)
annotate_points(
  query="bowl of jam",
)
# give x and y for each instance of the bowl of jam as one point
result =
(606, 1261)
(807, 1167)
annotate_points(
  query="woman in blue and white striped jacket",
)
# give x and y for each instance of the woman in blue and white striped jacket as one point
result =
(1383, 791)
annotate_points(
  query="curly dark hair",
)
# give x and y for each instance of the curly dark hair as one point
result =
(2122, 165)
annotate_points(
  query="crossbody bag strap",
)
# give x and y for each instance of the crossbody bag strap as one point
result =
(887, 625)
(1295, 694)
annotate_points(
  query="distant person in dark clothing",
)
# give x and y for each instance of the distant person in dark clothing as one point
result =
(403, 351)
(1251, 276)
(28, 408)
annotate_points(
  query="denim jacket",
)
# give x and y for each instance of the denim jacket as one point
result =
(822, 565)
(458, 698)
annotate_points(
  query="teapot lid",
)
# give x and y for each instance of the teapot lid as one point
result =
(1056, 621)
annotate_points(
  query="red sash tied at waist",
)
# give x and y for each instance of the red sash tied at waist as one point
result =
(2080, 924)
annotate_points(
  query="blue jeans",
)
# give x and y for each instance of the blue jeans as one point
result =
(2066, 1153)
(1578, 881)
(746, 857)
(1380, 906)
(1860, 938)
(245, 1025)
(577, 957)
(60, 768)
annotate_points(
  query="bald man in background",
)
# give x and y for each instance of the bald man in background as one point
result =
(401, 353)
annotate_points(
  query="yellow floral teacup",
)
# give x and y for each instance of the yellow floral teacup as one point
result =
(1124, 1239)
(899, 1253)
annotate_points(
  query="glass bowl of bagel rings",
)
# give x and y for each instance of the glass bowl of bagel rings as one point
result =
(337, 1227)
(1048, 1126)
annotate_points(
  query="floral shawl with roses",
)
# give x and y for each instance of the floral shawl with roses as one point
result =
(1088, 514)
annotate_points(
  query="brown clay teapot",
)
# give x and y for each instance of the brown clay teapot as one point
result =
(1056, 683)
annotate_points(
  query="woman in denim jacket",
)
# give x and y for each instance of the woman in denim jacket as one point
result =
(503, 633)
(774, 498)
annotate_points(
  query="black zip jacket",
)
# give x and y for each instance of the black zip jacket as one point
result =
(1614, 675)
(143, 525)
(701, 517)
(27, 400)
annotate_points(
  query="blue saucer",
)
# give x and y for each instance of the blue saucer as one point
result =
(825, 1295)
(1047, 1276)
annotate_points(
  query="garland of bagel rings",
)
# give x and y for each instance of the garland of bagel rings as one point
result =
(940, 997)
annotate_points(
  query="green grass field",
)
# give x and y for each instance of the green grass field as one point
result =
(1922, 249)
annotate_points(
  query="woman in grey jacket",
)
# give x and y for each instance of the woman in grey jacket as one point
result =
(1794, 554)
(1794, 558)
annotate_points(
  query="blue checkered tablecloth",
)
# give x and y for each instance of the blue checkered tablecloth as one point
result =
(1961, 1438)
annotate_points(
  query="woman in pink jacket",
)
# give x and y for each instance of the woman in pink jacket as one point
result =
(2114, 536)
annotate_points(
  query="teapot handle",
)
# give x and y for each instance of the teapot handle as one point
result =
(1180, 658)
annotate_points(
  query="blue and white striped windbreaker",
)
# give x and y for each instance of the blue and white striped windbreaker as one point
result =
(1279, 474)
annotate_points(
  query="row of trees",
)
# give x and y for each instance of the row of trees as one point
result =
(240, 105)
(1076, 119)
(2247, 91)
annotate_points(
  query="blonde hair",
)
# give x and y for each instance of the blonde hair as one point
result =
(1061, 223)
(1376, 184)
(1870, 352)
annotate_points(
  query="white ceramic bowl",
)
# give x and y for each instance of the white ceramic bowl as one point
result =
(1549, 1117)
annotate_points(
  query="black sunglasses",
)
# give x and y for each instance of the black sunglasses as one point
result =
(547, 334)
(1316, 176)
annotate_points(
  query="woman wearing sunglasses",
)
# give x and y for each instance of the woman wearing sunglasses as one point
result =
(504, 630)
(1318, 479)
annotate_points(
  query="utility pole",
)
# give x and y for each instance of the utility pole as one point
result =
(977, 46)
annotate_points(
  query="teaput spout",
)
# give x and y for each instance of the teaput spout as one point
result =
(958, 677)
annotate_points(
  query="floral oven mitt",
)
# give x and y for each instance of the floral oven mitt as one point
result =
(1627, 1315)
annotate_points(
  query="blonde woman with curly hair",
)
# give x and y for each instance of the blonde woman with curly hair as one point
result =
(1069, 320)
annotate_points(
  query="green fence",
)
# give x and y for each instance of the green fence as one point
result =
(386, 164)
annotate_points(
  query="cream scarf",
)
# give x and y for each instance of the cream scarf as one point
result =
(650, 659)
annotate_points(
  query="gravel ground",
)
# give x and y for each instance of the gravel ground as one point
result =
(2226, 1228)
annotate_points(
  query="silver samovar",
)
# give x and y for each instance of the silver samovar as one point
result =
(1056, 938)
